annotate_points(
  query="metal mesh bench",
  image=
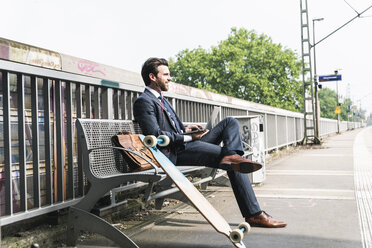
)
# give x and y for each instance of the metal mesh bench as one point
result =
(106, 170)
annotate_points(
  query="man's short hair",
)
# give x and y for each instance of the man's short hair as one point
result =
(151, 66)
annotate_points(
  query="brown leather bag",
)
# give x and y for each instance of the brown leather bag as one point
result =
(134, 143)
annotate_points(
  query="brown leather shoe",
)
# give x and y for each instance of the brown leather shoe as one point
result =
(240, 164)
(264, 220)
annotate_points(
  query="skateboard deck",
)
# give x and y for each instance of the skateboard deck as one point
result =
(193, 195)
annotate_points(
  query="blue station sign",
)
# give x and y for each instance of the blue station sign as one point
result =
(336, 77)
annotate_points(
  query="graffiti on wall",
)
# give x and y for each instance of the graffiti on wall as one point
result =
(88, 67)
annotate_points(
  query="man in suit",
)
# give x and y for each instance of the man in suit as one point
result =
(156, 116)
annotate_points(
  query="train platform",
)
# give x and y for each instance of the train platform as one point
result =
(322, 192)
(314, 190)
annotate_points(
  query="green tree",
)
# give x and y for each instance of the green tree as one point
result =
(328, 104)
(245, 65)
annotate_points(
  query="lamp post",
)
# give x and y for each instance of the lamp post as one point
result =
(317, 114)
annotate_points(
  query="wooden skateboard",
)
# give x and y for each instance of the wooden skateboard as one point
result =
(193, 195)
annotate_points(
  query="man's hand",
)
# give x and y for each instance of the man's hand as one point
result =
(193, 127)
(198, 136)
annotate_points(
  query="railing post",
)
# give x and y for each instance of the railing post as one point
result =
(79, 111)
(35, 141)
(96, 101)
(59, 158)
(266, 135)
(47, 142)
(107, 103)
(276, 133)
(294, 131)
(22, 142)
(116, 105)
(7, 145)
(128, 104)
(70, 142)
(286, 131)
(88, 100)
(122, 102)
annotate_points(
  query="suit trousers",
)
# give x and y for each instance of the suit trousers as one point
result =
(208, 152)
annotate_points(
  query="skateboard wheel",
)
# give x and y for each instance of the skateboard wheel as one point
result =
(236, 235)
(150, 141)
(245, 227)
(163, 140)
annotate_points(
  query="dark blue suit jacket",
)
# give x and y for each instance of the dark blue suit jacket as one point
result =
(154, 120)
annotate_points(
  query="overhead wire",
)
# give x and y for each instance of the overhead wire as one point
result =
(356, 10)
(352, 19)
(351, 7)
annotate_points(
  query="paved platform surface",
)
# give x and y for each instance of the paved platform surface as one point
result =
(323, 194)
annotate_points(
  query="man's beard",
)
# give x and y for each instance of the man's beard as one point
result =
(163, 87)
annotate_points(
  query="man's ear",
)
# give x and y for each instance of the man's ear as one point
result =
(152, 77)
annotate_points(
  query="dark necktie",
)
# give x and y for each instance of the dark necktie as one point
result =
(170, 112)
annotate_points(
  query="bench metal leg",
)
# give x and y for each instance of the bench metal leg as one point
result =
(98, 190)
(159, 203)
(83, 220)
(94, 194)
(208, 172)
(80, 217)
(148, 192)
(173, 193)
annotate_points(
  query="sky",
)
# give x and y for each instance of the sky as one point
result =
(124, 33)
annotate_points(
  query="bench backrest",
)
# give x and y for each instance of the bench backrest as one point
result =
(94, 133)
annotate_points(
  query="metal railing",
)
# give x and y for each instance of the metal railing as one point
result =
(40, 165)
